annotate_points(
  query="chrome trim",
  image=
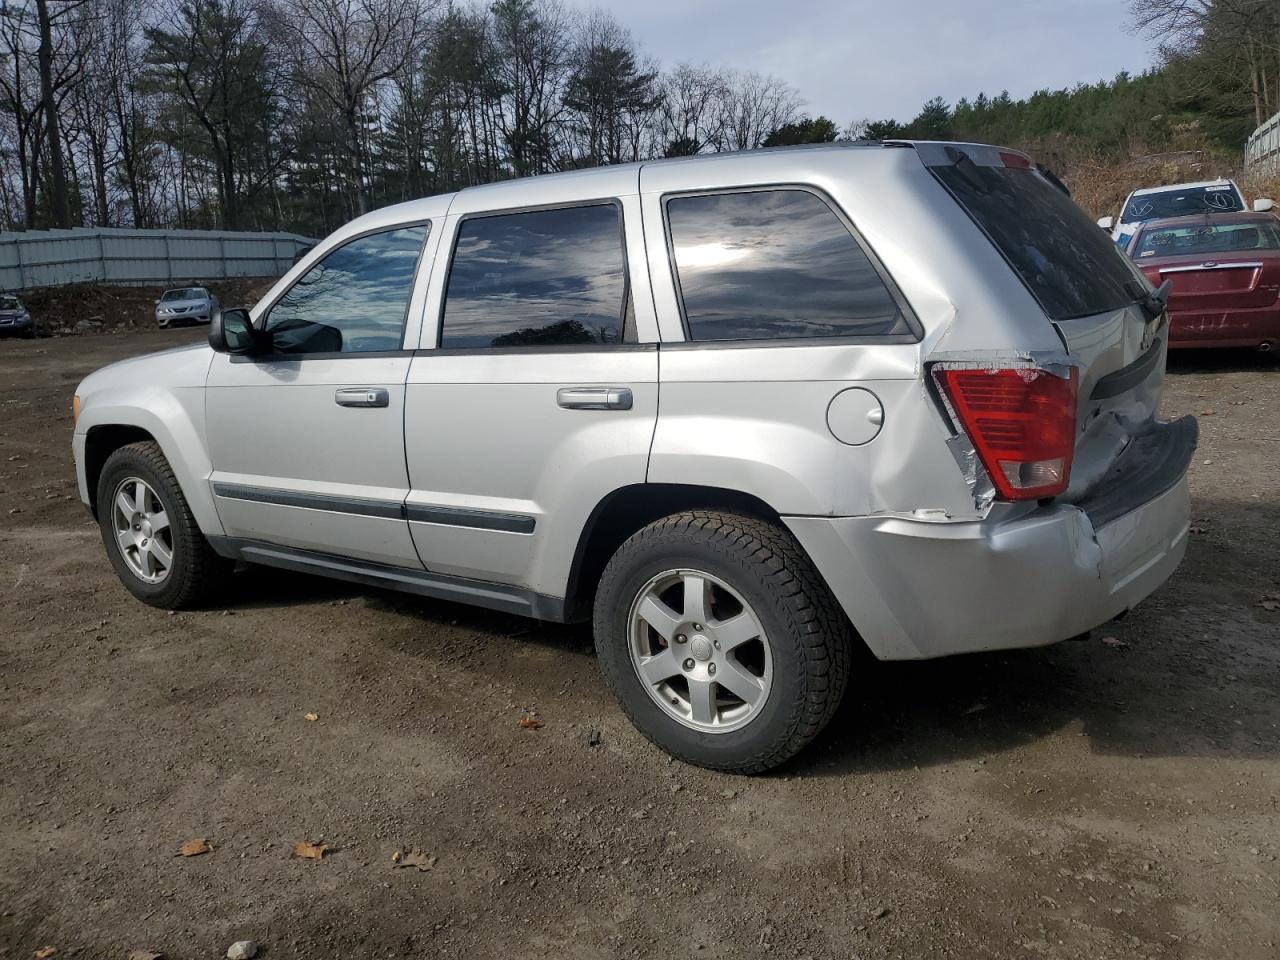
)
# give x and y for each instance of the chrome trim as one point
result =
(1215, 265)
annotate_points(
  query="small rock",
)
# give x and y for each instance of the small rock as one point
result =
(728, 794)
(676, 788)
(242, 950)
(881, 913)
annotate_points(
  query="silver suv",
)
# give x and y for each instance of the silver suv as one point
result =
(747, 413)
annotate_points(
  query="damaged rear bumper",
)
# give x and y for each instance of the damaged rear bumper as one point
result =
(916, 589)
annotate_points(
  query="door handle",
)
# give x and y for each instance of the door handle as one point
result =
(361, 397)
(594, 398)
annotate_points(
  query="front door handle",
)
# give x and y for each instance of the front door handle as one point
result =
(361, 397)
(594, 398)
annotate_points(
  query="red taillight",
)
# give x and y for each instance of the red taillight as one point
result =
(1022, 422)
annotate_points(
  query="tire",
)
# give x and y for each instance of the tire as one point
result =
(801, 657)
(194, 575)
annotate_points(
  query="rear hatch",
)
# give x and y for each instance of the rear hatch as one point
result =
(1086, 287)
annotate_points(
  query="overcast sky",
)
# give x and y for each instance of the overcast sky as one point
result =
(854, 59)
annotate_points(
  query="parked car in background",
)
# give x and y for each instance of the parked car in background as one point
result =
(745, 413)
(1225, 271)
(186, 305)
(15, 318)
(1176, 200)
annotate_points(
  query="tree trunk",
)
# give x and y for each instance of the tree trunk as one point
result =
(60, 208)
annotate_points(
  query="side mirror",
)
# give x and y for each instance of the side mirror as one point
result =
(1106, 223)
(1263, 205)
(231, 331)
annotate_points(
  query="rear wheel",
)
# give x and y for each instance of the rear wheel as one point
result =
(720, 640)
(151, 537)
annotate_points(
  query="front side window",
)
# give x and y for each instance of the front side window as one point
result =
(352, 301)
(542, 277)
(775, 264)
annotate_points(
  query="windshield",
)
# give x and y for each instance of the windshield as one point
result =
(10, 303)
(1197, 239)
(1215, 198)
(190, 293)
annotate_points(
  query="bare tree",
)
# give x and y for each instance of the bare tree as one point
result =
(754, 106)
(691, 118)
(345, 50)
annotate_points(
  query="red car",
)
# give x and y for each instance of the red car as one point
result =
(1225, 269)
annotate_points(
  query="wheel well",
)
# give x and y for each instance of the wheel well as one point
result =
(100, 443)
(627, 510)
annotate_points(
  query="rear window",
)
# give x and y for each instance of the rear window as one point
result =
(1215, 198)
(1070, 266)
(1196, 239)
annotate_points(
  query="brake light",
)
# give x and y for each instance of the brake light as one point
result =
(1022, 422)
(1015, 161)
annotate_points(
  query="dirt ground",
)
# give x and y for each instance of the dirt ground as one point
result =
(1118, 797)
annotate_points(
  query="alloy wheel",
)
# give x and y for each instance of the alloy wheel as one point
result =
(143, 534)
(700, 651)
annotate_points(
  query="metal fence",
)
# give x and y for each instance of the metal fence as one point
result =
(50, 258)
(1262, 151)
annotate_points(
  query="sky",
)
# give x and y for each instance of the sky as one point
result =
(877, 59)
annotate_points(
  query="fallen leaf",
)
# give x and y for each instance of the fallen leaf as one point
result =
(1206, 413)
(530, 723)
(195, 847)
(44, 952)
(144, 955)
(1271, 605)
(310, 716)
(416, 858)
(1114, 642)
(309, 850)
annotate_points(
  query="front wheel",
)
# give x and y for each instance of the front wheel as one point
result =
(150, 534)
(721, 641)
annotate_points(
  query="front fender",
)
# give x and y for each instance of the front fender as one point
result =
(163, 395)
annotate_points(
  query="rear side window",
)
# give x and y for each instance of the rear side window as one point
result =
(1070, 266)
(775, 264)
(543, 277)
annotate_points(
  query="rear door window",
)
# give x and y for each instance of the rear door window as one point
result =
(1070, 266)
(773, 265)
(539, 278)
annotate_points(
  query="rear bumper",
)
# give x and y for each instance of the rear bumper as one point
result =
(1249, 327)
(919, 589)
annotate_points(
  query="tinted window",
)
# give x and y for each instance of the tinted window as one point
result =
(774, 264)
(1207, 236)
(542, 277)
(1070, 266)
(1218, 198)
(352, 301)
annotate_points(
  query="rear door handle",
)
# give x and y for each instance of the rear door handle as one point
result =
(361, 397)
(594, 398)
